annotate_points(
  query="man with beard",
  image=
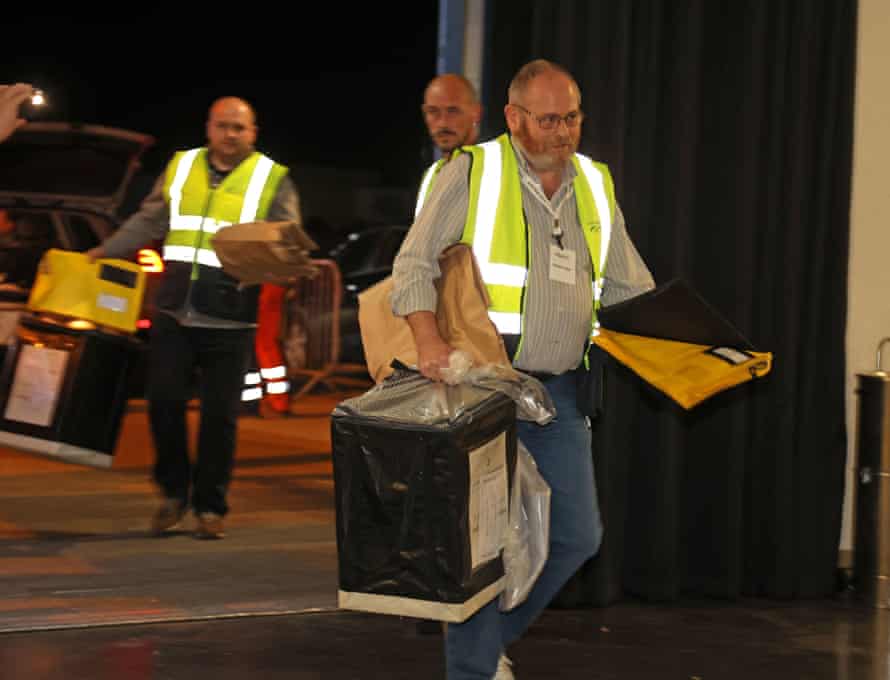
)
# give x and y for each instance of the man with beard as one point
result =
(451, 111)
(551, 245)
(206, 320)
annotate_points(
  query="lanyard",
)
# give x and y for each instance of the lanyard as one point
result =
(556, 230)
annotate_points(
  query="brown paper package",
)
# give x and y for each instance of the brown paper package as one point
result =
(462, 316)
(265, 252)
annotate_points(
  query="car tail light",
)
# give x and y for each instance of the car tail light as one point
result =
(150, 261)
(143, 323)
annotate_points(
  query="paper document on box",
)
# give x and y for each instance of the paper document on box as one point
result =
(488, 500)
(36, 385)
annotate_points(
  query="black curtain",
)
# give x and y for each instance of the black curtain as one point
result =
(728, 128)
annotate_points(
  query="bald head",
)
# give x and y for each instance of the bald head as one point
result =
(454, 85)
(451, 111)
(232, 104)
(231, 132)
(539, 68)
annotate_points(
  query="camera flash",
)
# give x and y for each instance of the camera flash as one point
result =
(37, 98)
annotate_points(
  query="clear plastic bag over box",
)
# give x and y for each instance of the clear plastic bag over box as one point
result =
(415, 401)
(526, 546)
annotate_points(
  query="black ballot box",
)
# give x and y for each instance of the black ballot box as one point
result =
(63, 390)
(422, 476)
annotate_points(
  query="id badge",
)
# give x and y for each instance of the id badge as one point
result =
(562, 265)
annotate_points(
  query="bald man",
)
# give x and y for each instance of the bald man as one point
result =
(206, 321)
(451, 111)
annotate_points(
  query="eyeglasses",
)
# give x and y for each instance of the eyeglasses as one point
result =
(550, 121)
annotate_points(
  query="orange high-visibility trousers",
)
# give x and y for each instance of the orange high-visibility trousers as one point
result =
(273, 370)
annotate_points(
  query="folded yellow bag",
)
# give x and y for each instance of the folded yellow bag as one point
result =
(107, 292)
(687, 373)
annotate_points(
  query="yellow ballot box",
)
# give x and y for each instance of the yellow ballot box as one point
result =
(106, 292)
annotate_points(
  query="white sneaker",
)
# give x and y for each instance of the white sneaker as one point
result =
(505, 669)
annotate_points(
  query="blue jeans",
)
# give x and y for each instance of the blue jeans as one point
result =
(562, 452)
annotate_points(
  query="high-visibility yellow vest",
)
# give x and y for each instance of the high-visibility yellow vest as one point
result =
(427, 183)
(197, 213)
(429, 176)
(497, 231)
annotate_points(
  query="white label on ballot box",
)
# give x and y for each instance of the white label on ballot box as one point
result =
(36, 385)
(112, 302)
(488, 500)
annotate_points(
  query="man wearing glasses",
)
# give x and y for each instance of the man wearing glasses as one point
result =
(552, 246)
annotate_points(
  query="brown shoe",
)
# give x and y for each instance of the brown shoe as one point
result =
(167, 516)
(210, 526)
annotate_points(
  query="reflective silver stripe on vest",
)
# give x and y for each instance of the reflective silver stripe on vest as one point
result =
(595, 181)
(506, 322)
(188, 253)
(196, 223)
(182, 172)
(255, 189)
(424, 187)
(486, 211)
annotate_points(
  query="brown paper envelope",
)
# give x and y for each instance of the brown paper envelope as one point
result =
(462, 316)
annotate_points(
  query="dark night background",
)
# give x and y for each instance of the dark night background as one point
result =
(335, 88)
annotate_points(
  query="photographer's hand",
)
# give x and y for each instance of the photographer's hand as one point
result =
(11, 98)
